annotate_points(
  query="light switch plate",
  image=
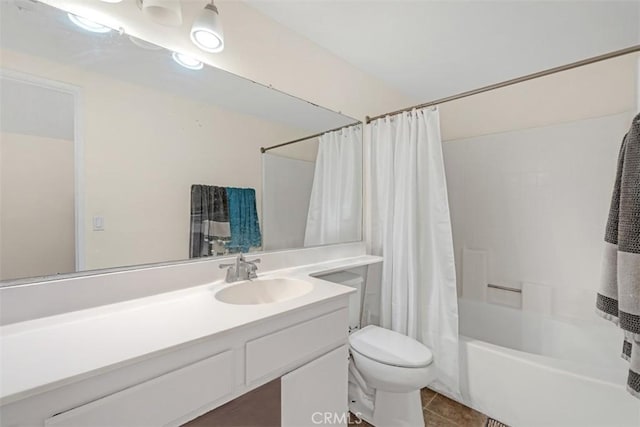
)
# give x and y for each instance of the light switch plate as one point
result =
(98, 223)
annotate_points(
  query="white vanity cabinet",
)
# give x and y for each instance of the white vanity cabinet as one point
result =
(316, 393)
(180, 357)
(159, 400)
(306, 348)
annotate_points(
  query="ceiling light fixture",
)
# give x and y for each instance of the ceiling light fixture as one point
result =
(206, 31)
(187, 61)
(164, 12)
(87, 24)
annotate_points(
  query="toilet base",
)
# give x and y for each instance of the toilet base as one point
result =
(384, 408)
(398, 409)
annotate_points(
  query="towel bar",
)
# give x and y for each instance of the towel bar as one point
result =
(504, 288)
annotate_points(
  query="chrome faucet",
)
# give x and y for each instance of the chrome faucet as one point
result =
(241, 269)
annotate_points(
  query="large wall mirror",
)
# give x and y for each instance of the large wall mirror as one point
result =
(112, 154)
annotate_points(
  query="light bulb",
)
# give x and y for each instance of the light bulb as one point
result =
(206, 31)
(187, 61)
(87, 24)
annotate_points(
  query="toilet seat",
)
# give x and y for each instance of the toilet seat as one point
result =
(390, 348)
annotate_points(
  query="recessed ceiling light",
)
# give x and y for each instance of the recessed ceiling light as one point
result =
(187, 62)
(87, 24)
(206, 31)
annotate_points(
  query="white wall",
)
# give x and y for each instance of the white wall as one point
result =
(260, 49)
(140, 161)
(530, 169)
(637, 81)
(37, 229)
(594, 90)
(537, 200)
(287, 191)
(303, 150)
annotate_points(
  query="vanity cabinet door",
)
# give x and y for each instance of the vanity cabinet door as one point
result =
(159, 401)
(281, 351)
(316, 393)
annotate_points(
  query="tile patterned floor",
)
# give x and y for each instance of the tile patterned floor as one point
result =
(440, 411)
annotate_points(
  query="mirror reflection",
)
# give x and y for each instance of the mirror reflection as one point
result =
(116, 152)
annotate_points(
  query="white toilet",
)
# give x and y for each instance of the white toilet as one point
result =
(386, 369)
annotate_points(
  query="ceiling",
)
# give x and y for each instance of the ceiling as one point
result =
(43, 31)
(432, 49)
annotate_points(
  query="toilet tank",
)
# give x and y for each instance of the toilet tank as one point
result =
(353, 280)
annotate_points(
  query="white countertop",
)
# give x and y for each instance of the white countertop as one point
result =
(45, 353)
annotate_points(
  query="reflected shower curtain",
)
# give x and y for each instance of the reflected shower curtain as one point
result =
(410, 226)
(335, 208)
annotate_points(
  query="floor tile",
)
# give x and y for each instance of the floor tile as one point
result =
(426, 394)
(357, 422)
(456, 412)
(434, 420)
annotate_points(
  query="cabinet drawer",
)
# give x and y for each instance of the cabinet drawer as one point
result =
(158, 401)
(284, 348)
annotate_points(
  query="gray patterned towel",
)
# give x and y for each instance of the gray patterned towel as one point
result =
(619, 296)
(209, 219)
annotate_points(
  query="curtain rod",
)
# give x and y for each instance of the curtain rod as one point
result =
(610, 55)
(265, 149)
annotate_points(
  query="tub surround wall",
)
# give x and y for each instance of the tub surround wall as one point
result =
(536, 200)
(287, 185)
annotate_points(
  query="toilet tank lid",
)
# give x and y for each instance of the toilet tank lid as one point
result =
(390, 348)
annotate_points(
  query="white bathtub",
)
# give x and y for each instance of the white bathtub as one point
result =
(526, 369)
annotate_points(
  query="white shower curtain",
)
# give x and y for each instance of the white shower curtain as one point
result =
(410, 226)
(335, 208)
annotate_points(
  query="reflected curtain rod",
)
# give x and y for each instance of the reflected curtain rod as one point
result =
(265, 149)
(592, 60)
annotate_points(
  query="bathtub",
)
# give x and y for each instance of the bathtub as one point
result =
(527, 369)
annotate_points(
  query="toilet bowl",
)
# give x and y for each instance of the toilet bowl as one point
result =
(386, 372)
(386, 369)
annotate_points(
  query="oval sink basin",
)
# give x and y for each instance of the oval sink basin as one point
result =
(263, 291)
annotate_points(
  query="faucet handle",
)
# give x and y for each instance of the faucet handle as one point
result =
(226, 265)
(253, 261)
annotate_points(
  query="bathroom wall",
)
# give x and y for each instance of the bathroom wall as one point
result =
(36, 207)
(594, 90)
(287, 184)
(530, 169)
(637, 81)
(36, 181)
(536, 200)
(287, 199)
(182, 136)
(258, 48)
(305, 150)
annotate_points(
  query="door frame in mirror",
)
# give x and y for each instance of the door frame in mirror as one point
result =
(78, 152)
